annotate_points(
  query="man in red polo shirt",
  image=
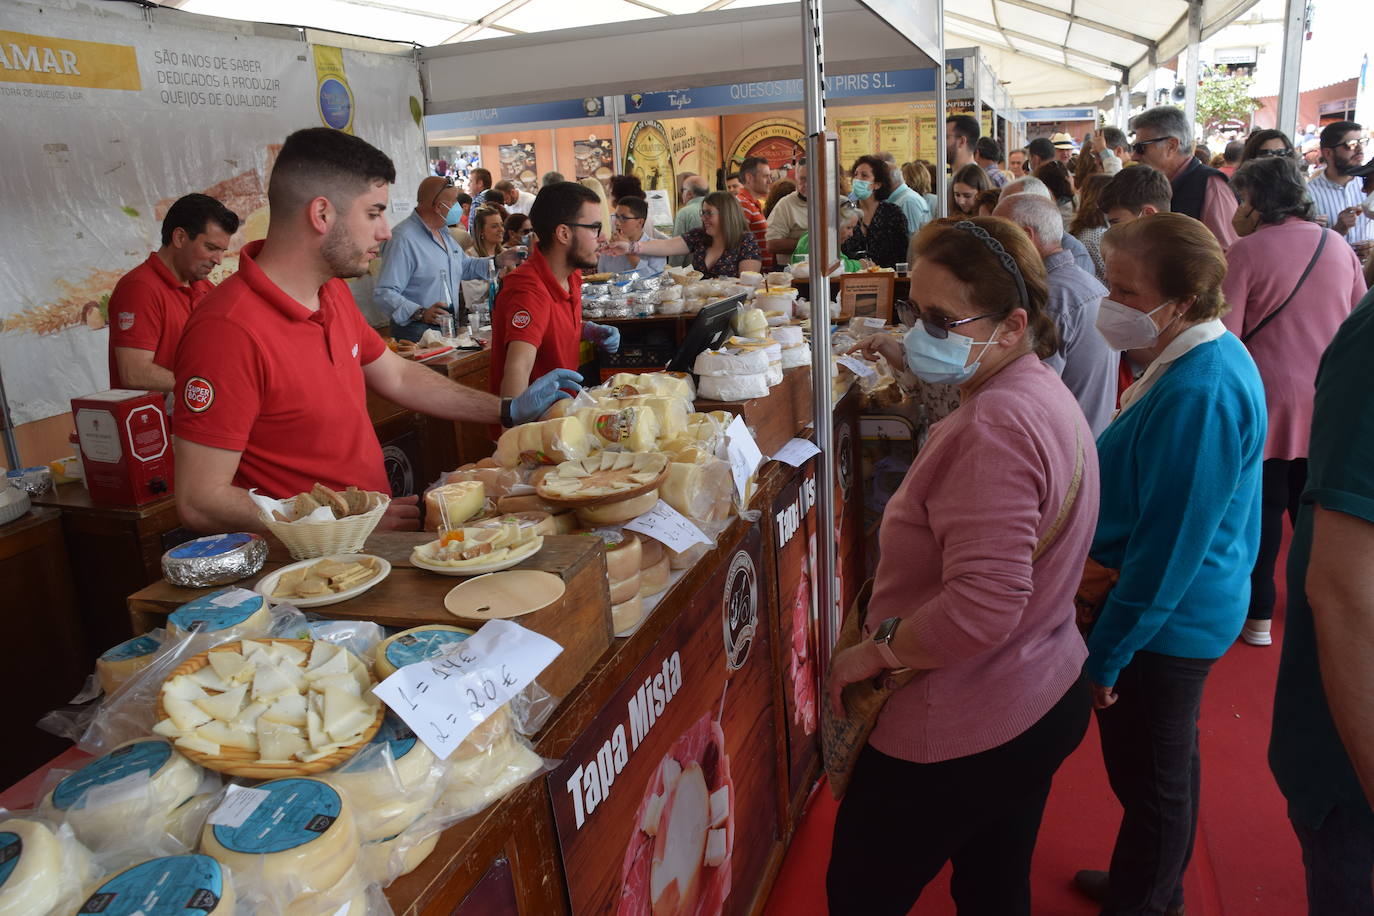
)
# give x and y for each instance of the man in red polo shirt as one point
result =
(537, 324)
(150, 304)
(755, 177)
(274, 366)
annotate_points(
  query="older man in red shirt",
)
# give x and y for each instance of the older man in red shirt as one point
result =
(755, 177)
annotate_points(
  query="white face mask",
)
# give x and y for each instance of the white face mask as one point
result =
(1125, 328)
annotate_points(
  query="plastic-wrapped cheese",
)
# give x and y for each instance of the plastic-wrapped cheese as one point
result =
(740, 387)
(654, 579)
(299, 839)
(125, 660)
(728, 363)
(668, 384)
(792, 357)
(477, 782)
(788, 335)
(671, 412)
(390, 858)
(135, 786)
(217, 559)
(454, 502)
(193, 885)
(384, 804)
(750, 323)
(618, 512)
(633, 429)
(39, 866)
(346, 898)
(698, 490)
(564, 438)
(230, 613)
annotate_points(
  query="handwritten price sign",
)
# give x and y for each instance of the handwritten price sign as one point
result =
(444, 698)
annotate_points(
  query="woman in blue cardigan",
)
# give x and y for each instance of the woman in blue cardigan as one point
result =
(1179, 518)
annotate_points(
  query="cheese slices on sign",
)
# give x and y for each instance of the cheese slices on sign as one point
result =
(135, 786)
(299, 839)
(37, 868)
(454, 503)
(119, 664)
(190, 885)
(385, 804)
(228, 613)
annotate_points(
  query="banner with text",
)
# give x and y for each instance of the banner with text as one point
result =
(109, 119)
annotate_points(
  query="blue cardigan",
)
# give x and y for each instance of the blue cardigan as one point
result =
(1180, 511)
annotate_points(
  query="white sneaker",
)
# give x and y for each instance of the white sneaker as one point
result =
(1256, 636)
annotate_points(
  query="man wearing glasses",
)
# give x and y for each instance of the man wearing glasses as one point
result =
(537, 323)
(631, 221)
(1337, 194)
(1164, 140)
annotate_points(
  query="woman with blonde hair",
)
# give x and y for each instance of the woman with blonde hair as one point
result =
(600, 190)
(488, 232)
(722, 246)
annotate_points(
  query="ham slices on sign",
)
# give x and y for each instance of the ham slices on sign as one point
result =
(678, 859)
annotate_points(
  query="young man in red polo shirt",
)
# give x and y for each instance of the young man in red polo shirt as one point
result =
(150, 304)
(274, 366)
(537, 324)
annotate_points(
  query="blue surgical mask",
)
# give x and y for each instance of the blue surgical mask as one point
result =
(861, 189)
(940, 361)
(455, 216)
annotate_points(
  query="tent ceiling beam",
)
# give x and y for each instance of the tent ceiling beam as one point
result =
(488, 21)
(1031, 39)
(1057, 59)
(1075, 19)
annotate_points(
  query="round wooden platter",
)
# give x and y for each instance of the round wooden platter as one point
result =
(503, 595)
(618, 496)
(240, 762)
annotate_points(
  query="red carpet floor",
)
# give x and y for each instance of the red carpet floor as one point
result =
(1246, 862)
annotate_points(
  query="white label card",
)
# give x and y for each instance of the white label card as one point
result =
(745, 456)
(234, 597)
(666, 525)
(859, 367)
(239, 804)
(873, 322)
(444, 698)
(796, 452)
(134, 786)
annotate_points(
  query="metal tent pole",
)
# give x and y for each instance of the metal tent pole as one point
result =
(1294, 23)
(7, 428)
(1193, 71)
(941, 112)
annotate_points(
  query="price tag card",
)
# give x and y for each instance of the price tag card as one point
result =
(796, 452)
(444, 698)
(233, 598)
(666, 525)
(744, 453)
(871, 322)
(239, 804)
(859, 367)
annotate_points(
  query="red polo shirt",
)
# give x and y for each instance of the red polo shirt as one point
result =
(532, 306)
(259, 373)
(148, 310)
(758, 223)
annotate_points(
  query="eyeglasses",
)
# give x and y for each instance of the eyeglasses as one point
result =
(1139, 146)
(937, 326)
(595, 227)
(1354, 146)
(1285, 152)
(624, 219)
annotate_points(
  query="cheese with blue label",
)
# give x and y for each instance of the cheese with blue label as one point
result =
(230, 613)
(189, 885)
(37, 868)
(216, 559)
(119, 664)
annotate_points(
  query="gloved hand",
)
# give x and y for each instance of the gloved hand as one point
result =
(603, 335)
(543, 391)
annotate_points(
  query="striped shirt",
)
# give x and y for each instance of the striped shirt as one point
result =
(758, 223)
(1332, 198)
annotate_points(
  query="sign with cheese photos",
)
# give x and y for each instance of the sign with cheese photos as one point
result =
(444, 698)
(668, 802)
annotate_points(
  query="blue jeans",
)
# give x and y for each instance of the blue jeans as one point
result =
(1150, 747)
(1339, 859)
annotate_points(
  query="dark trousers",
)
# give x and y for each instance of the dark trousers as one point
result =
(1150, 747)
(1281, 492)
(1339, 858)
(900, 822)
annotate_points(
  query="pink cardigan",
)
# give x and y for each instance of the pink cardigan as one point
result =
(1261, 270)
(957, 539)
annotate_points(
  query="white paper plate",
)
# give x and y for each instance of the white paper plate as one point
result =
(515, 558)
(268, 583)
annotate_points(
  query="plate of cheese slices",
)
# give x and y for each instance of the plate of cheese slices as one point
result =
(327, 580)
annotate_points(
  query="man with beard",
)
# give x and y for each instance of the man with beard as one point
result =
(275, 364)
(537, 324)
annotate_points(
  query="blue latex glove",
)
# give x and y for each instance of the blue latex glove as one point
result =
(543, 391)
(603, 335)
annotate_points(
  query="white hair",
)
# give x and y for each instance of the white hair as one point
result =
(1028, 184)
(1166, 121)
(1034, 213)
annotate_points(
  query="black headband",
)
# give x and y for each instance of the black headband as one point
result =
(1008, 262)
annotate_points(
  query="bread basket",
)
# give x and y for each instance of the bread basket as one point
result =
(309, 540)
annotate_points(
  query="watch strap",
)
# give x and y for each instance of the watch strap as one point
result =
(884, 649)
(506, 419)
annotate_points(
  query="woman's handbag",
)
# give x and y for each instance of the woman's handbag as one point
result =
(842, 738)
(1092, 593)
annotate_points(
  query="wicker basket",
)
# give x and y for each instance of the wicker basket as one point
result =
(308, 540)
(239, 762)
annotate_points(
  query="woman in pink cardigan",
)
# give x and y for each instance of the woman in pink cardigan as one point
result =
(960, 763)
(1278, 242)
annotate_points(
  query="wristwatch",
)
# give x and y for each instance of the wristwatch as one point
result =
(506, 419)
(882, 638)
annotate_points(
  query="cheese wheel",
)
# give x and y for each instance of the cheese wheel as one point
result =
(750, 323)
(687, 557)
(552, 441)
(216, 559)
(480, 780)
(788, 335)
(623, 559)
(37, 868)
(740, 387)
(457, 502)
(528, 503)
(624, 589)
(347, 898)
(698, 490)
(728, 363)
(654, 579)
(299, 839)
(541, 522)
(564, 522)
(383, 804)
(626, 615)
(650, 552)
(632, 429)
(189, 885)
(799, 355)
(671, 412)
(140, 782)
(670, 384)
(385, 860)
(619, 512)
(230, 613)
(119, 664)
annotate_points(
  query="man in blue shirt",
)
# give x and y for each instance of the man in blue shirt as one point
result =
(422, 266)
(631, 220)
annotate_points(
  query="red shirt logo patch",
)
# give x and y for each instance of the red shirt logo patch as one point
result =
(126, 320)
(520, 320)
(199, 394)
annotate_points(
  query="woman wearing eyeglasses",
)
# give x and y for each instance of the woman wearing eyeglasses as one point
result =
(1179, 521)
(722, 246)
(1263, 144)
(982, 550)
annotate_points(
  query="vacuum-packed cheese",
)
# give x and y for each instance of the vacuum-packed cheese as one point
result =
(740, 387)
(385, 804)
(227, 614)
(699, 490)
(37, 868)
(454, 503)
(728, 363)
(633, 429)
(563, 438)
(193, 885)
(119, 664)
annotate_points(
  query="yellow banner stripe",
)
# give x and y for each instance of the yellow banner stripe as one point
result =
(53, 61)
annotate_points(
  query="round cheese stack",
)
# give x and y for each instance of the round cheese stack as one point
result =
(625, 589)
(729, 363)
(562, 438)
(190, 885)
(120, 664)
(751, 278)
(750, 323)
(385, 860)
(654, 579)
(300, 838)
(384, 804)
(788, 335)
(36, 868)
(618, 512)
(650, 552)
(228, 616)
(799, 355)
(624, 558)
(454, 503)
(740, 387)
(626, 615)
(159, 781)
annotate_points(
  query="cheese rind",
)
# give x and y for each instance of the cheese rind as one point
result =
(415, 645)
(655, 579)
(122, 662)
(626, 615)
(618, 512)
(740, 387)
(37, 867)
(454, 503)
(248, 617)
(623, 559)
